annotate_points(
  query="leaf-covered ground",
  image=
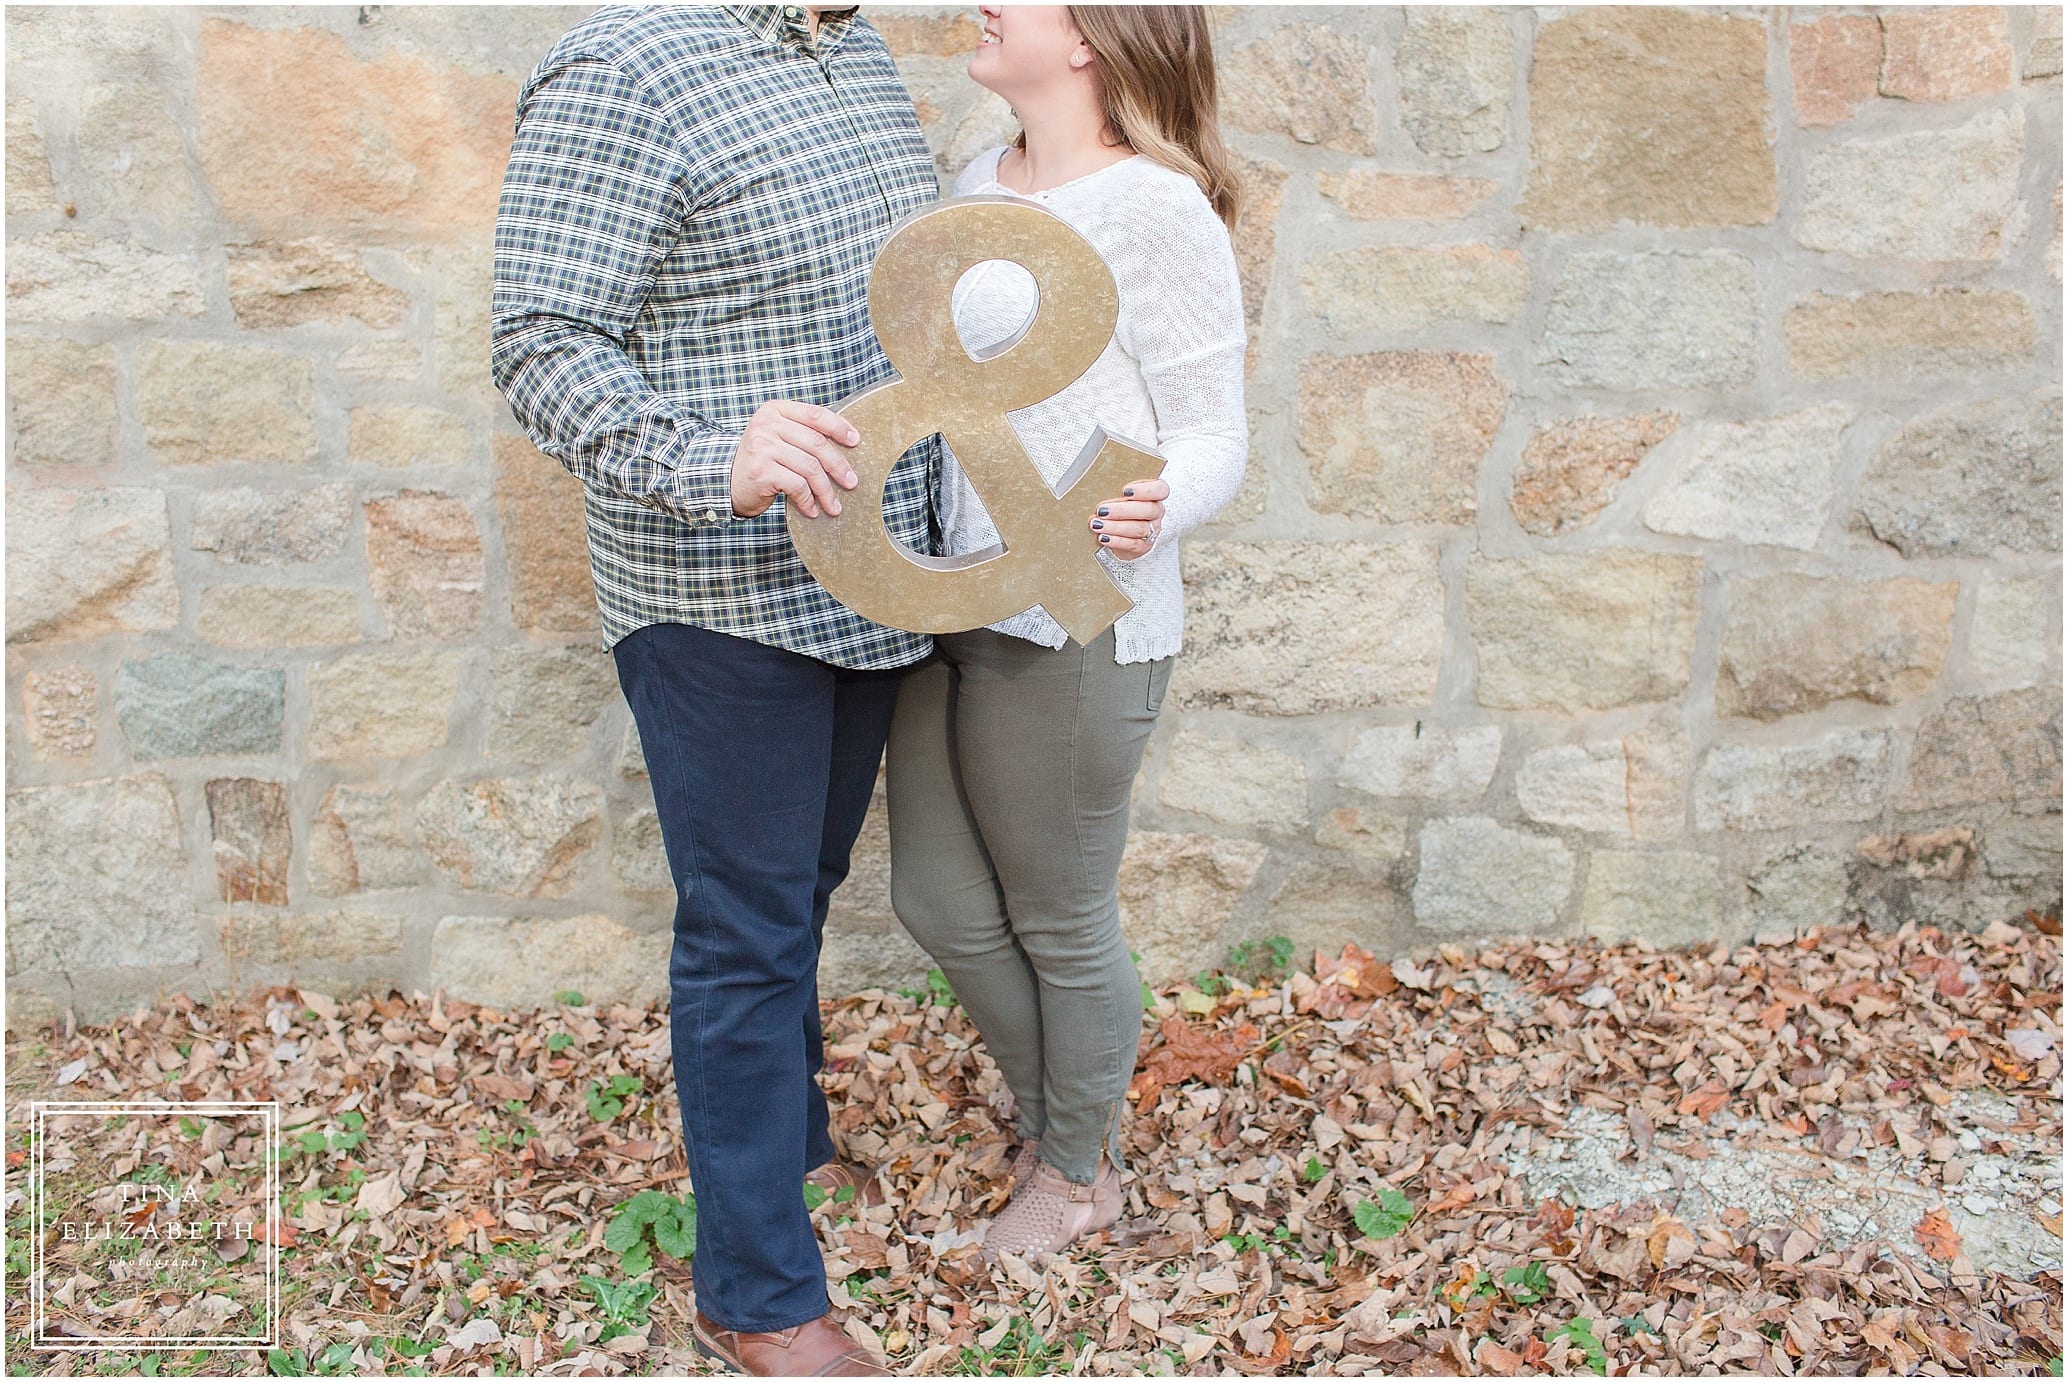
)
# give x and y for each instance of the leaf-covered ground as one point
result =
(1837, 1155)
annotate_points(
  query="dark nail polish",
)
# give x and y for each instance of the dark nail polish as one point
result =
(1129, 492)
(1095, 523)
(1105, 537)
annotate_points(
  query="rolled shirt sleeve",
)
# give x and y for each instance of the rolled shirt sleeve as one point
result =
(591, 202)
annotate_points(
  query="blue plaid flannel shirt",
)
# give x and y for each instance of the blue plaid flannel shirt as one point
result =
(685, 231)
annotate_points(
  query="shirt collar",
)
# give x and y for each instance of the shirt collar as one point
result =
(779, 24)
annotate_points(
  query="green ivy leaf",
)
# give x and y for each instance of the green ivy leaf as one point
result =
(1385, 1218)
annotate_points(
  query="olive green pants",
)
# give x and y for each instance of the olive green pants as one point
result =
(1010, 769)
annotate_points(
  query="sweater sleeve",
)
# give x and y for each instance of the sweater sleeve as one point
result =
(1181, 321)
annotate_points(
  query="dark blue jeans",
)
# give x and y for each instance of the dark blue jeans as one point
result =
(762, 763)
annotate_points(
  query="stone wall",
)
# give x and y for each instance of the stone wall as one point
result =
(1653, 524)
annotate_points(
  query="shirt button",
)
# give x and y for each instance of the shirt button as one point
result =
(710, 515)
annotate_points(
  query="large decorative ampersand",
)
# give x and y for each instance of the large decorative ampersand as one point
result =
(1047, 553)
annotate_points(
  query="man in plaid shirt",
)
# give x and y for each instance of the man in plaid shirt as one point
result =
(681, 256)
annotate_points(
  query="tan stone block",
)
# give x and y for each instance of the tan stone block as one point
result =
(1307, 83)
(1590, 630)
(406, 436)
(1236, 783)
(545, 539)
(296, 131)
(308, 280)
(1267, 633)
(203, 403)
(30, 1009)
(97, 878)
(1670, 898)
(61, 402)
(1968, 479)
(1399, 436)
(359, 841)
(521, 962)
(927, 35)
(265, 939)
(247, 819)
(1770, 481)
(1946, 331)
(1945, 54)
(1400, 288)
(639, 862)
(424, 562)
(863, 952)
(1321, 906)
(1795, 643)
(1256, 236)
(61, 711)
(87, 562)
(29, 189)
(381, 705)
(1177, 893)
(1454, 66)
(65, 276)
(1796, 888)
(1369, 835)
(277, 616)
(543, 701)
(1657, 753)
(1581, 786)
(524, 836)
(1936, 196)
(1649, 116)
(1835, 61)
(461, 328)
(1478, 877)
(1366, 194)
(2010, 636)
(129, 161)
(1437, 762)
(1839, 776)
(1986, 749)
(248, 526)
(1570, 470)
(384, 361)
(2043, 58)
(1651, 319)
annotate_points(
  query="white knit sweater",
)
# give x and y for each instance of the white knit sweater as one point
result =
(1171, 378)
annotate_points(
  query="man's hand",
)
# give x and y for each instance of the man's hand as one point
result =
(792, 448)
(1128, 526)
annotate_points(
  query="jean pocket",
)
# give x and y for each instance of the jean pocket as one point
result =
(1159, 682)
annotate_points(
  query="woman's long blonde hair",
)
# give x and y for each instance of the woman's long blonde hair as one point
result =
(1156, 80)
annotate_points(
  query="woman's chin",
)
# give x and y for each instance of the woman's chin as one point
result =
(984, 69)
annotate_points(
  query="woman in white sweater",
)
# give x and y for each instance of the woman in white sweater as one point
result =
(1015, 749)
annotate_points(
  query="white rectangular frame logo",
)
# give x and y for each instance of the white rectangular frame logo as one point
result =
(41, 1109)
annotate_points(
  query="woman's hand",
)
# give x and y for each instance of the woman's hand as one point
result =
(1127, 526)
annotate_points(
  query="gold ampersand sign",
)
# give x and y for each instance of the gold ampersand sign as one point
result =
(1047, 553)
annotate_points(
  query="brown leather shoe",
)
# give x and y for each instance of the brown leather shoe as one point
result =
(816, 1348)
(835, 1174)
